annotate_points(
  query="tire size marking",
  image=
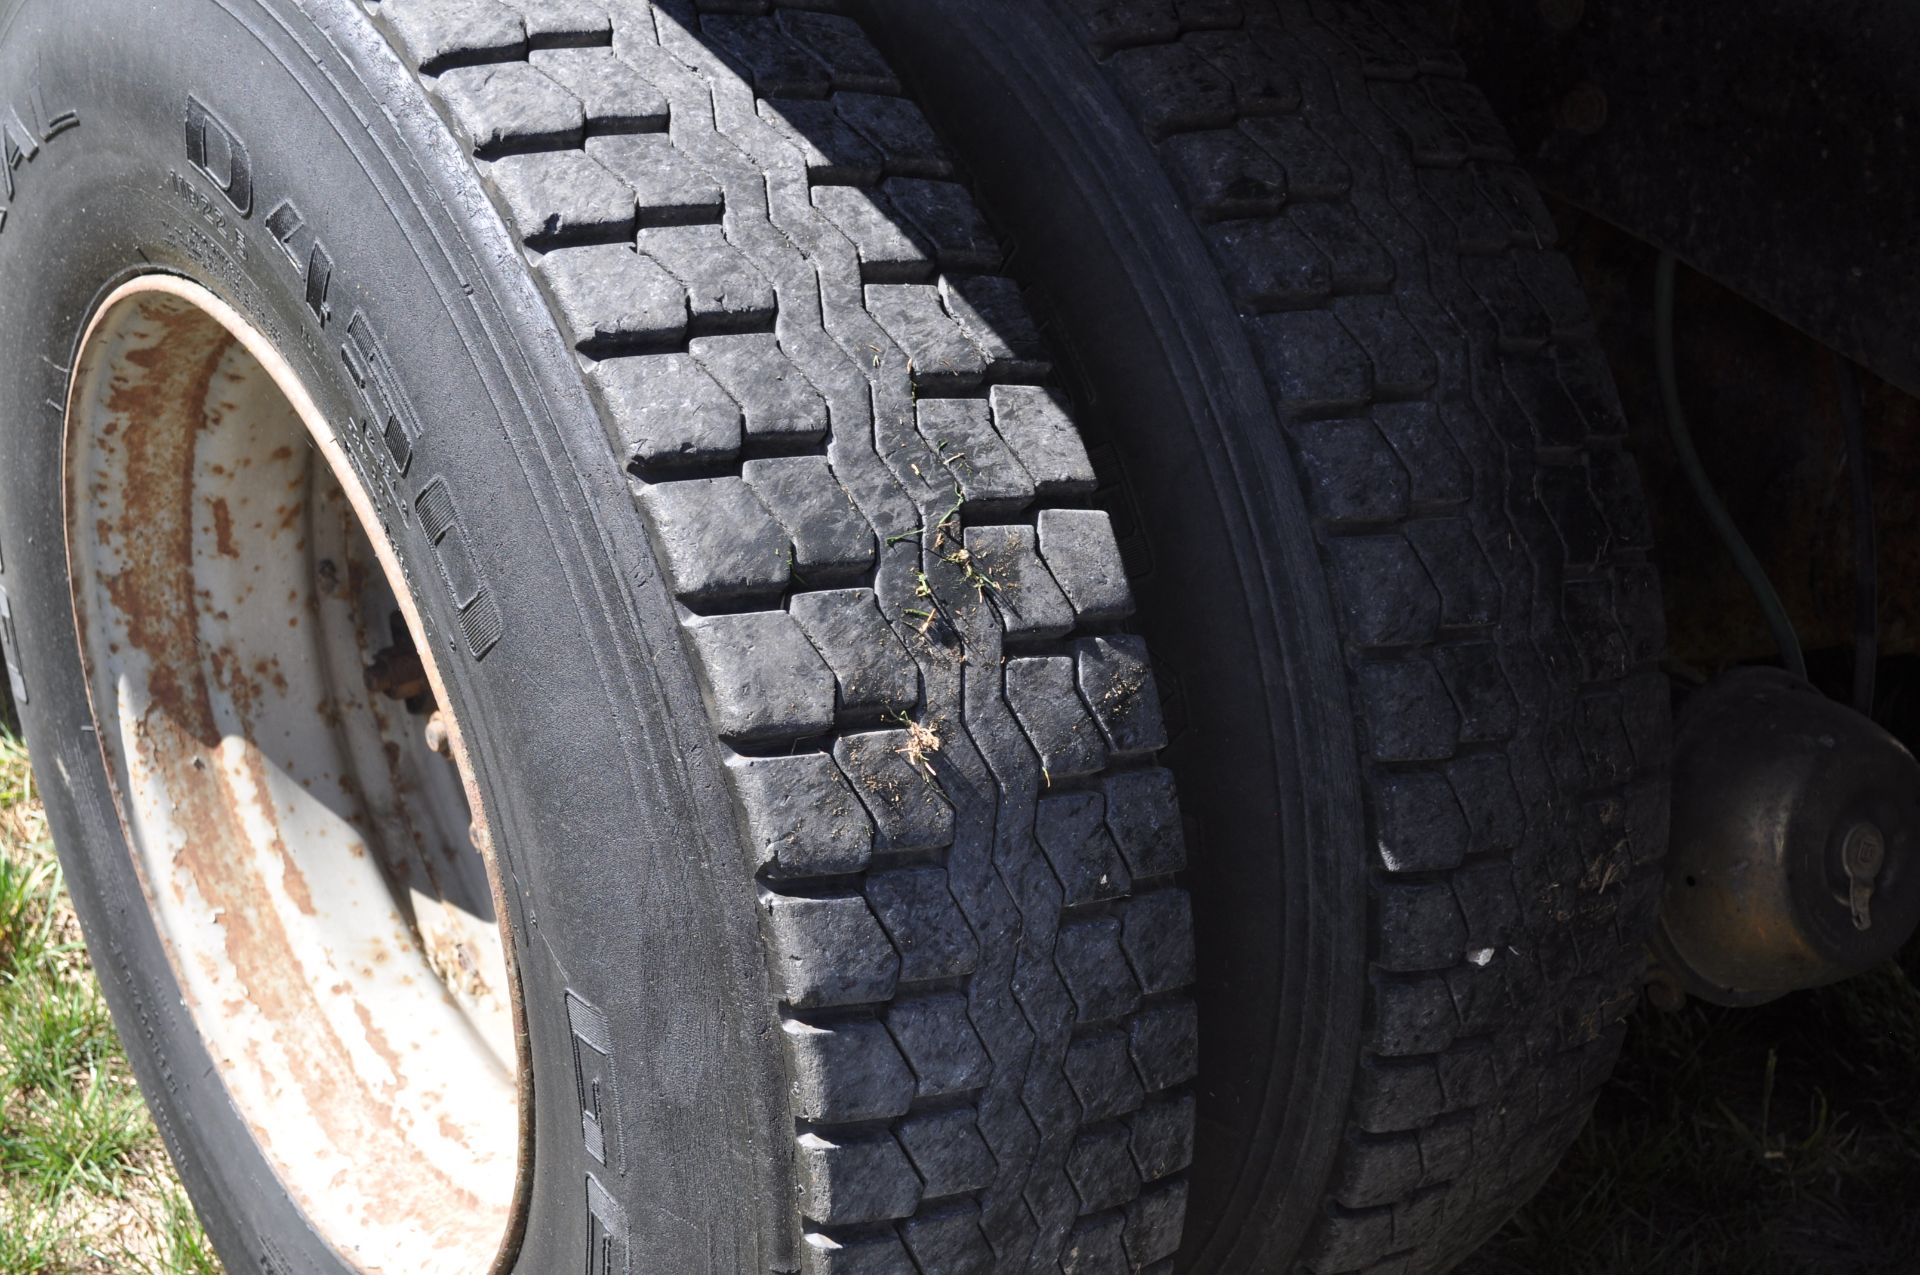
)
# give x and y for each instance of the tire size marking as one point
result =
(22, 134)
(384, 435)
(609, 1250)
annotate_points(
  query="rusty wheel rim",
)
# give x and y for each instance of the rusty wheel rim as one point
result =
(291, 778)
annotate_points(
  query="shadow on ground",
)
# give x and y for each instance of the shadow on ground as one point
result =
(1783, 1140)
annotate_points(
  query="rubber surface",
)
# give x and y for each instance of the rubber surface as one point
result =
(763, 557)
(1460, 445)
(1344, 368)
(872, 509)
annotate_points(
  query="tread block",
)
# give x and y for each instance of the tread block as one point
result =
(1314, 170)
(1358, 261)
(1575, 515)
(889, 249)
(895, 127)
(938, 353)
(1269, 265)
(989, 478)
(939, 1044)
(1446, 1150)
(511, 106)
(716, 540)
(1386, 597)
(564, 23)
(1408, 713)
(1489, 907)
(1394, 1095)
(1161, 1040)
(1313, 362)
(612, 298)
(1598, 642)
(723, 288)
(1467, 111)
(1116, 681)
(828, 534)
(557, 198)
(1261, 82)
(1040, 690)
(1157, 933)
(802, 819)
(948, 1152)
(919, 914)
(668, 410)
(1401, 361)
(1412, 1016)
(948, 1241)
(438, 34)
(1224, 176)
(869, 663)
(669, 189)
(1095, 1246)
(1072, 831)
(855, 1178)
(990, 310)
(615, 97)
(1523, 323)
(1542, 399)
(1119, 24)
(1614, 480)
(828, 951)
(1089, 958)
(842, 47)
(1080, 549)
(946, 217)
(1161, 1137)
(1349, 1239)
(1351, 472)
(1492, 803)
(834, 151)
(909, 812)
(873, 1253)
(763, 680)
(1144, 818)
(776, 399)
(1436, 471)
(1036, 424)
(1024, 592)
(1456, 192)
(1488, 711)
(1101, 1169)
(847, 1071)
(1419, 824)
(772, 63)
(1420, 928)
(1154, 1223)
(1173, 88)
(1101, 1073)
(1430, 138)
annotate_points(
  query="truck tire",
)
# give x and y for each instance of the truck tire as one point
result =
(743, 555)
(1369, 466)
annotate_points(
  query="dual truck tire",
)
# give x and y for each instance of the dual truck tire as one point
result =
(1048, 609)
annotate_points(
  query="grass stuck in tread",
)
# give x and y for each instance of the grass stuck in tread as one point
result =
(85, 1188)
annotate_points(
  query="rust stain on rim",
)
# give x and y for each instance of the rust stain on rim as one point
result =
(221, 590)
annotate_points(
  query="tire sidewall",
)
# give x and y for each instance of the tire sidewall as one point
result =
(616, 841)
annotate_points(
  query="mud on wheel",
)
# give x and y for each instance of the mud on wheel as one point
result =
(647, 657)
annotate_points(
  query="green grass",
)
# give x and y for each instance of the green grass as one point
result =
(85, 1188)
